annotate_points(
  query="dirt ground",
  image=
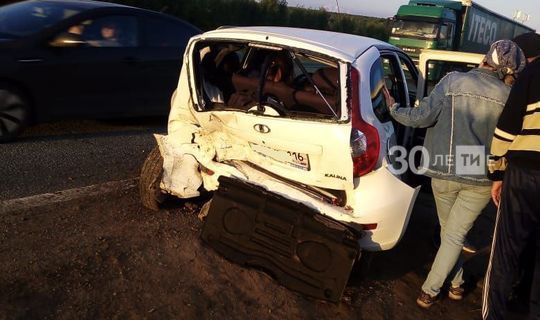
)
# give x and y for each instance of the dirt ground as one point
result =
(107, 257)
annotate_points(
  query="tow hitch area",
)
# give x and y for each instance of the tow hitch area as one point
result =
(304, 250)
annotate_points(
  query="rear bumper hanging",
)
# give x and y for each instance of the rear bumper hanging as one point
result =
(304, 250)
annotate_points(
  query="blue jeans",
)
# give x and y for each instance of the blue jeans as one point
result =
(458, 206)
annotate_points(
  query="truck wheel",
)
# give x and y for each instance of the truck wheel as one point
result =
(151, 173)
(13, 114)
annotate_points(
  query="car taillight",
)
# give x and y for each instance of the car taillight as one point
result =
(369, 226)
(365, 143)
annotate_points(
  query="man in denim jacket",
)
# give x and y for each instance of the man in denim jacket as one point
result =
(461, 111)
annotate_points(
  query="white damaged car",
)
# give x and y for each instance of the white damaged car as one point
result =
(290, 128)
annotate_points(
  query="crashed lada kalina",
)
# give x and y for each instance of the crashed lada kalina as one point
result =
(290, 129)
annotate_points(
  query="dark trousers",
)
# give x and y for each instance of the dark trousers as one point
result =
(517, 219)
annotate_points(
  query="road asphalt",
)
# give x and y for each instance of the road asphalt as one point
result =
(72, 154)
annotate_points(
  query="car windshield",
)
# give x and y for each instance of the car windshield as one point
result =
(25, 18)
(417, 29)
(267, 80)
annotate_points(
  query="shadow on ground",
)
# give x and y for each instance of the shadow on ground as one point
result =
(106, 257)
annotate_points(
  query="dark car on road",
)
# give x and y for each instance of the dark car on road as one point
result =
(86, 59)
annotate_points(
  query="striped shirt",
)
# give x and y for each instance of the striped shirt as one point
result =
(517, 137)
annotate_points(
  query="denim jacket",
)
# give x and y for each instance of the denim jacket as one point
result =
(461, 111)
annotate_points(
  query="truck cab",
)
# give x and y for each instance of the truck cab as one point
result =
(425, 25)
(461, 26)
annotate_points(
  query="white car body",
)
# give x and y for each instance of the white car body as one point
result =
(202, 145)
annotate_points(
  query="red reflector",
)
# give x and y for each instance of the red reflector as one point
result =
(206, 170)
(369, 226)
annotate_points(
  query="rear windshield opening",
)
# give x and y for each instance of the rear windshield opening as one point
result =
(266, 80)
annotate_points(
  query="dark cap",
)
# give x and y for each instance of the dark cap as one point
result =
(505, 57)
(530, 44)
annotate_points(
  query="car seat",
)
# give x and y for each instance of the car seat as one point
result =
(327, 81)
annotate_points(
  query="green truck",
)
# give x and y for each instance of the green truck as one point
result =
(450, 25)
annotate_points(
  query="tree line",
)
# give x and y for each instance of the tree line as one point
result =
(210, 14)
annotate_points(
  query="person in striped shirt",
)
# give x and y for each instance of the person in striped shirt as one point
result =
(514, 164)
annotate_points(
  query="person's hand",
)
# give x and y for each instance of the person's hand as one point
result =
(496, 192)
(390, 101)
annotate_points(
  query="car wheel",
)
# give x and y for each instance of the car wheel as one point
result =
(13, 114)
(362, 267)
(151, 195)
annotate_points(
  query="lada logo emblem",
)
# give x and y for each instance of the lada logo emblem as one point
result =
(261, 128)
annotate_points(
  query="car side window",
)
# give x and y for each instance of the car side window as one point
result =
(450, 36)
(164, 33)
(28, 17)
(377, 81)
(443, 32)
(391, 76)
(109, 31)
(390, 67)
(411, 78)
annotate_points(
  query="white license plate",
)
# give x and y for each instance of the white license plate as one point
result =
(292, 158)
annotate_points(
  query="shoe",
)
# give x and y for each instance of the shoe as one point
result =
(425, 301)
(455, 293)
(467, 247)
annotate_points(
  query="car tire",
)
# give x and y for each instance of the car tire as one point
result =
(362, 267)
(152, 170)
(14, 113)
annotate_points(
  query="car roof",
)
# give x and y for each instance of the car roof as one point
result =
(84, 4)
(87, 5)
(343, 46)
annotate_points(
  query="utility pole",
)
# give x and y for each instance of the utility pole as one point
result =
(340, 21)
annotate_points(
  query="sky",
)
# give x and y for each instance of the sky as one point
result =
(388, 8)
